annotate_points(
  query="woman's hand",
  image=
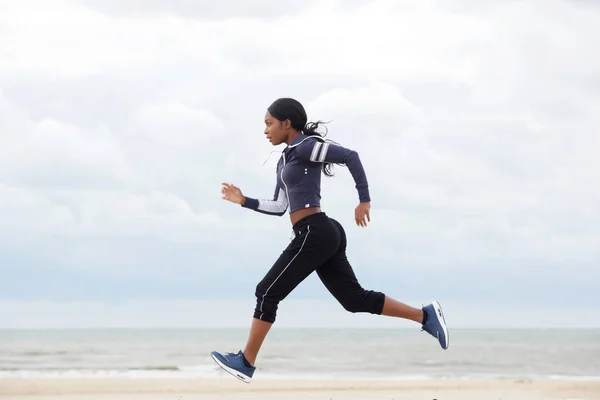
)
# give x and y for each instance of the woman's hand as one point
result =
(232, 193)
(361, 213)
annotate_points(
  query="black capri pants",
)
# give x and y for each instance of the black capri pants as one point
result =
(319, 245)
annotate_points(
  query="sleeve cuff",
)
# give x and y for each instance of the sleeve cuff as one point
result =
(250, 203)
(364, 196)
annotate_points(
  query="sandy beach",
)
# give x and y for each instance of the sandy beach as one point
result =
(229, 388)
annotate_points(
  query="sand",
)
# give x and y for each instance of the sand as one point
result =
(230, 388)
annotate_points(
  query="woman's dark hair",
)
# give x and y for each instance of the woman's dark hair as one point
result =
(287, 108)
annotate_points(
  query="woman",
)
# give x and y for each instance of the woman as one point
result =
(319, 243)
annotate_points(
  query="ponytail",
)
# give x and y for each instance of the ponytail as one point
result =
(310, 129)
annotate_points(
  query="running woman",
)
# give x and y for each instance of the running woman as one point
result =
(319, 242)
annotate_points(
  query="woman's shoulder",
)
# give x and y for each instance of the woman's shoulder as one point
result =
(308, 147)
(309, 142)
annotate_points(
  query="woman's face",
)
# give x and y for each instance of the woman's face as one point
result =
(275, 130)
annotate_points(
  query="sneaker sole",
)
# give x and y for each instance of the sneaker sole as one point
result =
(231, 371)
(438, 312)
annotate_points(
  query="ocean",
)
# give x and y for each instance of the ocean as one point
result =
(303, 353)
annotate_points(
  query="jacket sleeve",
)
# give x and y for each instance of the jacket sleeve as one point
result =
(318, 151)
(276, 206)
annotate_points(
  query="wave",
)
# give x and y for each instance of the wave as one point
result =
(41, 353)
(155, 368)
(213, 372)
(63, 369)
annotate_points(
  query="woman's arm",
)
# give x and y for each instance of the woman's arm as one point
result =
(276, 206)
(318, 151)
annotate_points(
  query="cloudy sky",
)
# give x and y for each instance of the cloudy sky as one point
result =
(476, 121)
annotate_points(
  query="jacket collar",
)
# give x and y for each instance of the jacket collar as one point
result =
(298, 140)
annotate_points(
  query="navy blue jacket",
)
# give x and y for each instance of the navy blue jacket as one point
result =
(299, 175)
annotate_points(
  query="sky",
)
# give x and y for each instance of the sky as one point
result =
(476, 122)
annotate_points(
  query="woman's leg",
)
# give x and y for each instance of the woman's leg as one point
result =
(258, 332)
(395, 308)
(313, 244)
(296, 263)
(338, 277)
(306, 252)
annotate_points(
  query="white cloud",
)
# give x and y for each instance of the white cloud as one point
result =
(65, 180)
(62, 39)
(201, 9)
(381, 40)
(364, 110)
(177, 123)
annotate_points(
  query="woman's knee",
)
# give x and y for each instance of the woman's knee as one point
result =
(261, 288)
(367, 301)
(266, 305)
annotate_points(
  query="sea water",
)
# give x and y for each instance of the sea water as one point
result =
(303, 353)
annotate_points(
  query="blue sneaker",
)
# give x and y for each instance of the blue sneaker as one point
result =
(235, 365)
(435, 324)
